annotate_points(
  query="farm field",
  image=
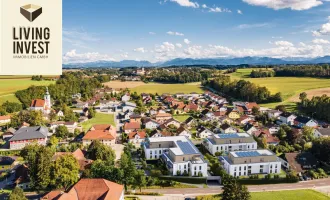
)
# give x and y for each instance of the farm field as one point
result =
(288, 86)
(100, 118)
(124, 84)
(8, 86)
(168, 88)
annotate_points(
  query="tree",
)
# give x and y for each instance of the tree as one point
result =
(65, 171)
(62, 132)
(91, 113)
(232, 190)
(97, 150)
(11, 107)
(17, 194)
(128, 167)
(308, 133)
(53, 142)
(140, 179)
(39, 160)
(100, 169)
(52, 116)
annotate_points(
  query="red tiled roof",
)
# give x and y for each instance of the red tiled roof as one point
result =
(98, 135)
(142, 134)
(37, 103)
(4, 117)
(250, 105)
(132, 125)
(265, 133)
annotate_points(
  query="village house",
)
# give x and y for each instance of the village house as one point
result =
(232, 114)
(136, 137)
(301, 162)
(131, 126)
(99, 189)
(151, 124)
(204, 133)
(71, 126)
(135, 118)
(104, 133)
(245, 107)
(9, 133)
(249, 128)
(274, 114)
(27, 135)
(286, 118)
(225, 128)
(4, 119)
(129, 106)
(78, 154)
(264, 133)
(243, 120)
(301, 121)
(162, 117)
(322, 132)
(190, 122)
(172, 122)
(126, 97)
(181, 131)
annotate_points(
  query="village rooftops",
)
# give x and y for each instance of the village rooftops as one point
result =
(29, 133)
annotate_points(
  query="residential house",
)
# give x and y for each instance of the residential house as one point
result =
(274, 114)
(60, 114)
(129, 106)
(8, 134)
(27, 135)
(301, 121)
(226, 128)
(83, 162)
(131, 126)
(243, 120)
(204, 133)
(71, 126)
(229, 142)
(99, 189)
(4, 119)
(264, 133)
(172, 122)
(151, 124)
(246, 163)
(178, 153)
(181, 131)
(301, 162)
(22, 178)
(249, 128)
(135, 118)
(126, 97)
(125, 116)
(162, 117)
(80, 104)
(322, 132)
(137, 137)
(233, 114)
(190, 122)
(104, 133)
(286, 118)
(245, 107)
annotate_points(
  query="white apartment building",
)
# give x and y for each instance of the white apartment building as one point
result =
(245, 163)
(179, 154)
(229, 142)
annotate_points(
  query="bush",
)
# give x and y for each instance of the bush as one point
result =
(156, 173)
(266, 181)
(192, 180)
(143, 193)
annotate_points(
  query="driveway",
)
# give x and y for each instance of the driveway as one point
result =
(118, 148)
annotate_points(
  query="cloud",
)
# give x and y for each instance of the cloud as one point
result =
(324, 30)
(283, 43)
(204, 6)
(74, 57)
(78, 38)
(175, 33)
(240, 12)
(178, 45)
(140, 49)
(186, 41)
(282, 4)
(247, 26)
(124, 55)
(321, 41)
(218, 10)
(152, 33)
(186, 3)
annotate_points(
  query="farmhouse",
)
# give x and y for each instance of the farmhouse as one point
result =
(27, 135)
(131, 126)
(4, 119)
(104, 133)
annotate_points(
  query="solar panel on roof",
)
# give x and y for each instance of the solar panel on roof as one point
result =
(186, 148)
(248, 154)
(232, 135)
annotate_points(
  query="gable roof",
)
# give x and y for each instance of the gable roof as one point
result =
(142, 134)
(37, 103)
(98, 135)
(286, 114)
(324, 131)
(132, 125)
(4, 117)
(28, 133)
(302, 119)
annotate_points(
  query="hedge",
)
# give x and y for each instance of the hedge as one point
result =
(265, 181)
(184, 179)
(10, 153)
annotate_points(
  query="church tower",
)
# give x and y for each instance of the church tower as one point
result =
(47, 100)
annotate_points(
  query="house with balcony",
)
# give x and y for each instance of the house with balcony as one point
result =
(245, 163)
(179, 154)
(229, 142)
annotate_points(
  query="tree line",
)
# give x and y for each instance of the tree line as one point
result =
(261, 73)
(317, 107)
(243, 90)
(304, 71)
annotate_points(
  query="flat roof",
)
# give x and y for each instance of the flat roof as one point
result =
(232, 135)
(253, 153)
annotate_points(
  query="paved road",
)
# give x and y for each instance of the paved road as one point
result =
(314, 184)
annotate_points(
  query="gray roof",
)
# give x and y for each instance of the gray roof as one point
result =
(324, 131)
(28, 133)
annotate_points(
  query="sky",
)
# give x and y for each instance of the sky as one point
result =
(161, 30)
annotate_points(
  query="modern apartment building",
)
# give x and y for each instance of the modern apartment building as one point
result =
(229, 142)
(179, 154)
(245, 163)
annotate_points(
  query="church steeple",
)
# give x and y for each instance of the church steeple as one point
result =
(47, 99)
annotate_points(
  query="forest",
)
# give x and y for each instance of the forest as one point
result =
(243, 90)
(322, 71)
(318, 106)
(261, 73)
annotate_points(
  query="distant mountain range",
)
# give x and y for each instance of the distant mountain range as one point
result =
(203, 61)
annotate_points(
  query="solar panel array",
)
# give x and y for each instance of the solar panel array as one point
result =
(231, 135)
(186, 148)
(248, 154)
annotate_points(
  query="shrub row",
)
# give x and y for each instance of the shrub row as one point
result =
(265, 181)
(192, 180)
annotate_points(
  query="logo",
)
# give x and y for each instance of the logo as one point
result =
(31, 11)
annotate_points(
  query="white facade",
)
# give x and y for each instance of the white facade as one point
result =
(151, 125)
(87, 142)
(205, 133)
(231, 142)
(126, 98)
(287, 120)
(15, 145)
(264, 163)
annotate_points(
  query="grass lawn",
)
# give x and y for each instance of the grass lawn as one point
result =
(289, 195)
(99, 118)
(278, 195)
(8, 86)
(181, 118)
(288, 86)
(168, 88)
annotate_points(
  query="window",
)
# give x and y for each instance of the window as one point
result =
(160, 151)
(217, 148)
(200, 167)
(261, 171)
(195, 168)
(183, 158)
(240, 168)
(160, 145)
